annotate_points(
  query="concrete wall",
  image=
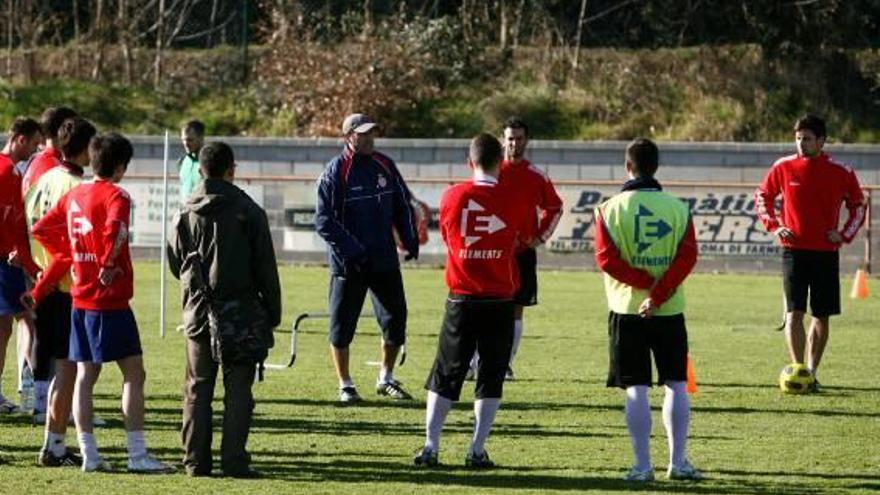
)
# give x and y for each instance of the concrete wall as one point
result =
(711, 162)
(728, 162)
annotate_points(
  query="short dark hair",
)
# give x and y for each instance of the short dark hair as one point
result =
(516, 123)
(196, 126)
(24, 126)
(52, 119)
(485, 151)
(644, 156)
(812, 123)
(107, 151)
(74, 136)
(215, 159)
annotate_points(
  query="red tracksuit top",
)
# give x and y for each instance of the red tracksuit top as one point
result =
(85, 224)
(481, 225)
(534, 192)
(13, 234)
(813, 190)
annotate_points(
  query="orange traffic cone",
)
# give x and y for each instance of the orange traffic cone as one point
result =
(691, 386)
(860, 285)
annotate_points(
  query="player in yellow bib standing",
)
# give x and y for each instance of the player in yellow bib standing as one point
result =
(645, 244)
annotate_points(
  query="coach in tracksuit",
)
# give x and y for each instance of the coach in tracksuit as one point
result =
(362, 201)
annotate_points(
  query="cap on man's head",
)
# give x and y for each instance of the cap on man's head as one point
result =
(357, 122)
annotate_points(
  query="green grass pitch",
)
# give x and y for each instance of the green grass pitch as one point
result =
(559, 429)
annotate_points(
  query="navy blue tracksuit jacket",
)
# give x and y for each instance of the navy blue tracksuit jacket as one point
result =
(360, 199)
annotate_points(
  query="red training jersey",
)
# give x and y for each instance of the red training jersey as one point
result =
(13, 234)
(90, 224)
(41, 163)
(481, 225)
(535, 194)
(813, 190)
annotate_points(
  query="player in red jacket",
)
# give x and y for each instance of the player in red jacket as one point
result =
(480, 225)
(541, 205)
(22, 140)
(89, 226)
(813, 187)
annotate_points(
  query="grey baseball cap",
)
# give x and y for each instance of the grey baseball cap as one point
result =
(357, 122)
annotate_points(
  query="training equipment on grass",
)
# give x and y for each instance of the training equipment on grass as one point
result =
(795, 378)
(294, 330)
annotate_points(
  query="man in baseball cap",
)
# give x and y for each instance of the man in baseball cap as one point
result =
(362, 200)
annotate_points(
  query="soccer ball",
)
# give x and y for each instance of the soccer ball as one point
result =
(795, 379)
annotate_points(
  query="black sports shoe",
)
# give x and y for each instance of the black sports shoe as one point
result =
(815, 387)
(480, 461)
(349, 395)
(69, 459)
(426, 458)
(393, 389)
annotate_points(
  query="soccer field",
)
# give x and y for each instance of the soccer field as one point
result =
(559, 429)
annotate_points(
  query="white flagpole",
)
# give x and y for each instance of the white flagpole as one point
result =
(162, 259)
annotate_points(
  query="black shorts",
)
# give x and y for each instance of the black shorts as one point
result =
(816, 273)
(53, 325)
(347, 294)
(473, 324)
(631, 341)
(527, 295)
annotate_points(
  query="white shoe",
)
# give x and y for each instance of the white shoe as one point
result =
(147, 464)
(635, 475)
(98, 465)
(686, 471)
(7, 406)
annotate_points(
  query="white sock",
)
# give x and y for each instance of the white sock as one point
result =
(137, 444)
(346, 382)
(475, 361)
(55, 443)
(385, 375)
(484, 412)
(41, 395)
(638, 422)
(676, 414)
(435, 415)
(518, 327)
(88, 447)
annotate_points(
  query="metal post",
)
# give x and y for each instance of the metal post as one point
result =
(162, 257)
(868, 232)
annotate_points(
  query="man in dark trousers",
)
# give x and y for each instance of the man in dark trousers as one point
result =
(481, 225)
(221, 250)
(362, 201)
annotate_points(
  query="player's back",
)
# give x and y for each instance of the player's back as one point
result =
(480, 227)
(94, 211)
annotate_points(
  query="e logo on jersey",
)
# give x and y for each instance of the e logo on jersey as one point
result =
(79, 225)
(474, 225)
(648, 230)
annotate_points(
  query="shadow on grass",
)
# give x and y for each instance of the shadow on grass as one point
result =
(810, 474)
(510, 478)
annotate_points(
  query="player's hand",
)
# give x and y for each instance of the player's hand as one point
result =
(835, 237)
(784, 233)
(14, 259)
(647, 308)
(107, 275)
